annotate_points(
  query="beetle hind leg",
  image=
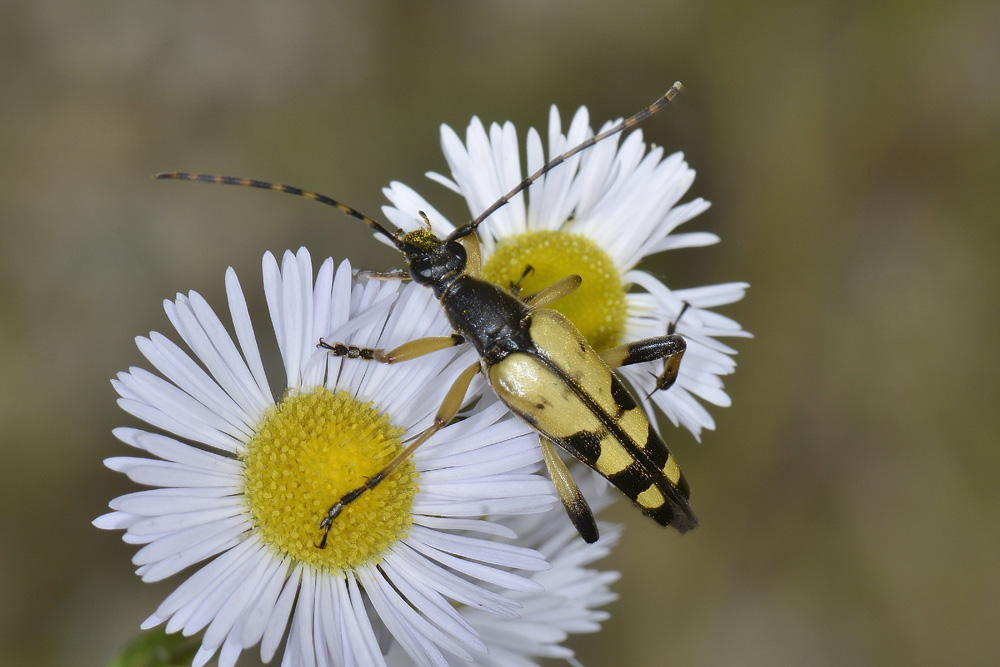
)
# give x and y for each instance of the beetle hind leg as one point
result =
(569, 493)
(670, 348)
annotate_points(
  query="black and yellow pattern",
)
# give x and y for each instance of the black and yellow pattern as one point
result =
(565, 390)
(538, 363)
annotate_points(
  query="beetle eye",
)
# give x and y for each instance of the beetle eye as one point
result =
(421, 269)
(457, 257)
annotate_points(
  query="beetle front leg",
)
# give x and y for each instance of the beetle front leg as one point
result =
(393, 274)
(450, 406)
(473, 255)
(409, 350)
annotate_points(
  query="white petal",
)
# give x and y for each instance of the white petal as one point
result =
(406, 624)
(114, 521)
(179, 422)
(364, 646)
(411, 564)
(170, 523)
(497, 553)
(170, 360)
(175, 552)
(485, 573)
(235, 601)
(164, 473)
(201, 330)
(406, 205)
(170, 449)
(239, 382)
(431, 604)
(278, 620)
(444, 180)
(259, 612)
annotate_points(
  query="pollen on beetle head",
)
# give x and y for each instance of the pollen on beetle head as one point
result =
(422, 238)
(311, 449)
(597, 307)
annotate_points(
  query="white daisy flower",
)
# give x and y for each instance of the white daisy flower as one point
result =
(243, 482)
(597, 215)
(573, 592)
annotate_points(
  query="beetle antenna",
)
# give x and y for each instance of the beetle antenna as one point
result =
(626, 124)
(292, 190)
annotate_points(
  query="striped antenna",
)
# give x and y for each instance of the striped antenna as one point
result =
(626, 124)
(277, 187)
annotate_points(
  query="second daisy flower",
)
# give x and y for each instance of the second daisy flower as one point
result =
(597, 215)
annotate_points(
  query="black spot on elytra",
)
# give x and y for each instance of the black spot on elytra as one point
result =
(621, 395)
(632, 481)
(585, 445)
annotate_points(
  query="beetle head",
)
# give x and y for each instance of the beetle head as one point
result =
(432, 261)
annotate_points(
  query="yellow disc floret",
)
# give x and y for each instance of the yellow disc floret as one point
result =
(597, 307)
(310, 450)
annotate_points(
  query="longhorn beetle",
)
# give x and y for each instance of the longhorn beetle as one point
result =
(537, 362)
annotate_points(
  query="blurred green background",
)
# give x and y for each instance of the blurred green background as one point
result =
(848, 499)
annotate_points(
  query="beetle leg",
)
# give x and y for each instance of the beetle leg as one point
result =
(394, 274)
(547, 295)
(474, 259)
(672, 328)
(670, 348)
(515, 286)
(450, 406)
(553, 292)
(409, 350)
(576, 505)
(671, 363)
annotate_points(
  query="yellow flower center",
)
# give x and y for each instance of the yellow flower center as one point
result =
(310, 450)
(597, 307)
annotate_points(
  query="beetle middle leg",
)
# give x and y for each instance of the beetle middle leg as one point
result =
(515, 285)
(450, 406)
(546, 295)
(554, 292)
